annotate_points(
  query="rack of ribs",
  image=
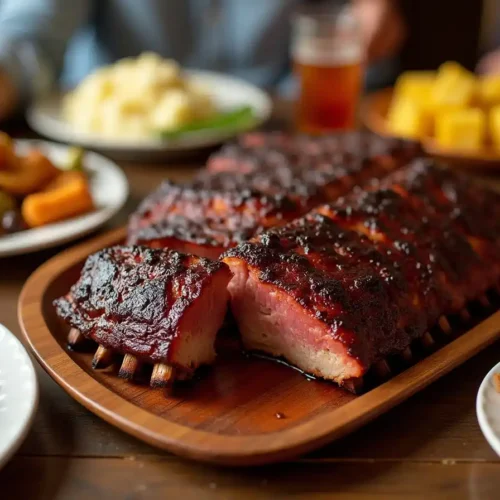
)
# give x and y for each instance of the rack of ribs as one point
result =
(145, 304)
(264, 181)
(443, 195)
(215, 212)
(267, 150)
(352, 282)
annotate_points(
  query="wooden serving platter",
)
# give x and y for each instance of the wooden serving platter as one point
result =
(244, 410)
(374, 116)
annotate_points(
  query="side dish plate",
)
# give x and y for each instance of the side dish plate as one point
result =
(227, 92)
(109, 188)
(374, 117)
(244, 410)
(488, 409)
(18, 394)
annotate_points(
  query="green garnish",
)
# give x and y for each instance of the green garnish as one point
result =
(75, 159)
(236, 119)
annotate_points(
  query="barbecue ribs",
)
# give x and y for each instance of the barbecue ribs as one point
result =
(359, 279)
(147, 305)
(266, 151)
(263, 181)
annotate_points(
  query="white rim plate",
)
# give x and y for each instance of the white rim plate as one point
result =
(109, 189)
(488, 409)
(18, 394)
(228, 92)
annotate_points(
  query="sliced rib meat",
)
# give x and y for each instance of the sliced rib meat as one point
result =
(310, 292)
(359, 279)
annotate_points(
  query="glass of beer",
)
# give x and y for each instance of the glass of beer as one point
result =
(327, 55)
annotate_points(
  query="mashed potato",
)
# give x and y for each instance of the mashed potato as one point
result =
(134, 98)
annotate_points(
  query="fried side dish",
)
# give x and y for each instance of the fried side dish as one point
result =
(355, 281)
(35, 192)
(152, 306)
(263, 181)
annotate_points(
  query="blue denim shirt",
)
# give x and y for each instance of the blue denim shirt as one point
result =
(44, 40)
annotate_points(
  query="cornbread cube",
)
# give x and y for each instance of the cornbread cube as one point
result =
(461, 129)
(407, 118)
(416, 85)
(494, 124)
(489, 90)
(455, 87)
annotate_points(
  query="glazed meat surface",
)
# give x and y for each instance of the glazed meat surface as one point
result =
(148, 303)
(274, 178)
(359, 279)
(312, 290)
(265, 151)
(214, 213)
(474, 212)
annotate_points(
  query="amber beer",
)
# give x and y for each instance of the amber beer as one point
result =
(327, 62)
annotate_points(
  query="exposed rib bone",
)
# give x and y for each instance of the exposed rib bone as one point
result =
(75, 338)
(444, 324)
(407, 355)
(484, 301)
(465, 315)
(129, 367)
(427, 340)
(103, 358)
(163, 375)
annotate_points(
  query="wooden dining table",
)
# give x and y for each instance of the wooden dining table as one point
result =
(428, 447)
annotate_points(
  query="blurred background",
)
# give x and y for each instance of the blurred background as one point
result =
(49, 42)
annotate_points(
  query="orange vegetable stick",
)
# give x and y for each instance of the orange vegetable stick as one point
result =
(68, 197)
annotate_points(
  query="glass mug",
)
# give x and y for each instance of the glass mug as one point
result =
(327, 56)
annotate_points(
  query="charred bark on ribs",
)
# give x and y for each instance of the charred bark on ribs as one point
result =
(265, 151)
(357, 280)
(212, 213)
(262, 181)
(147, 305)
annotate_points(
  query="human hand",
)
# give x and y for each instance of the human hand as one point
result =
(9, 96)
(490, 63)
(382, 27)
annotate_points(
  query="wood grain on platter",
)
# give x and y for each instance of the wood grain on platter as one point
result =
(244, 410)
(374, 117)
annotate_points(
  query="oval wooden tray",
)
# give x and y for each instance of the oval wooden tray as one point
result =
(374, 117)
(242, 411)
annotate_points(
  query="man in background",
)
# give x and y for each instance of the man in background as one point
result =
(45, 41)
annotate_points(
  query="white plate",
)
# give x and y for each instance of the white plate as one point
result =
(18, 394)
(228, 92)
(109, 188)
(488, 409)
